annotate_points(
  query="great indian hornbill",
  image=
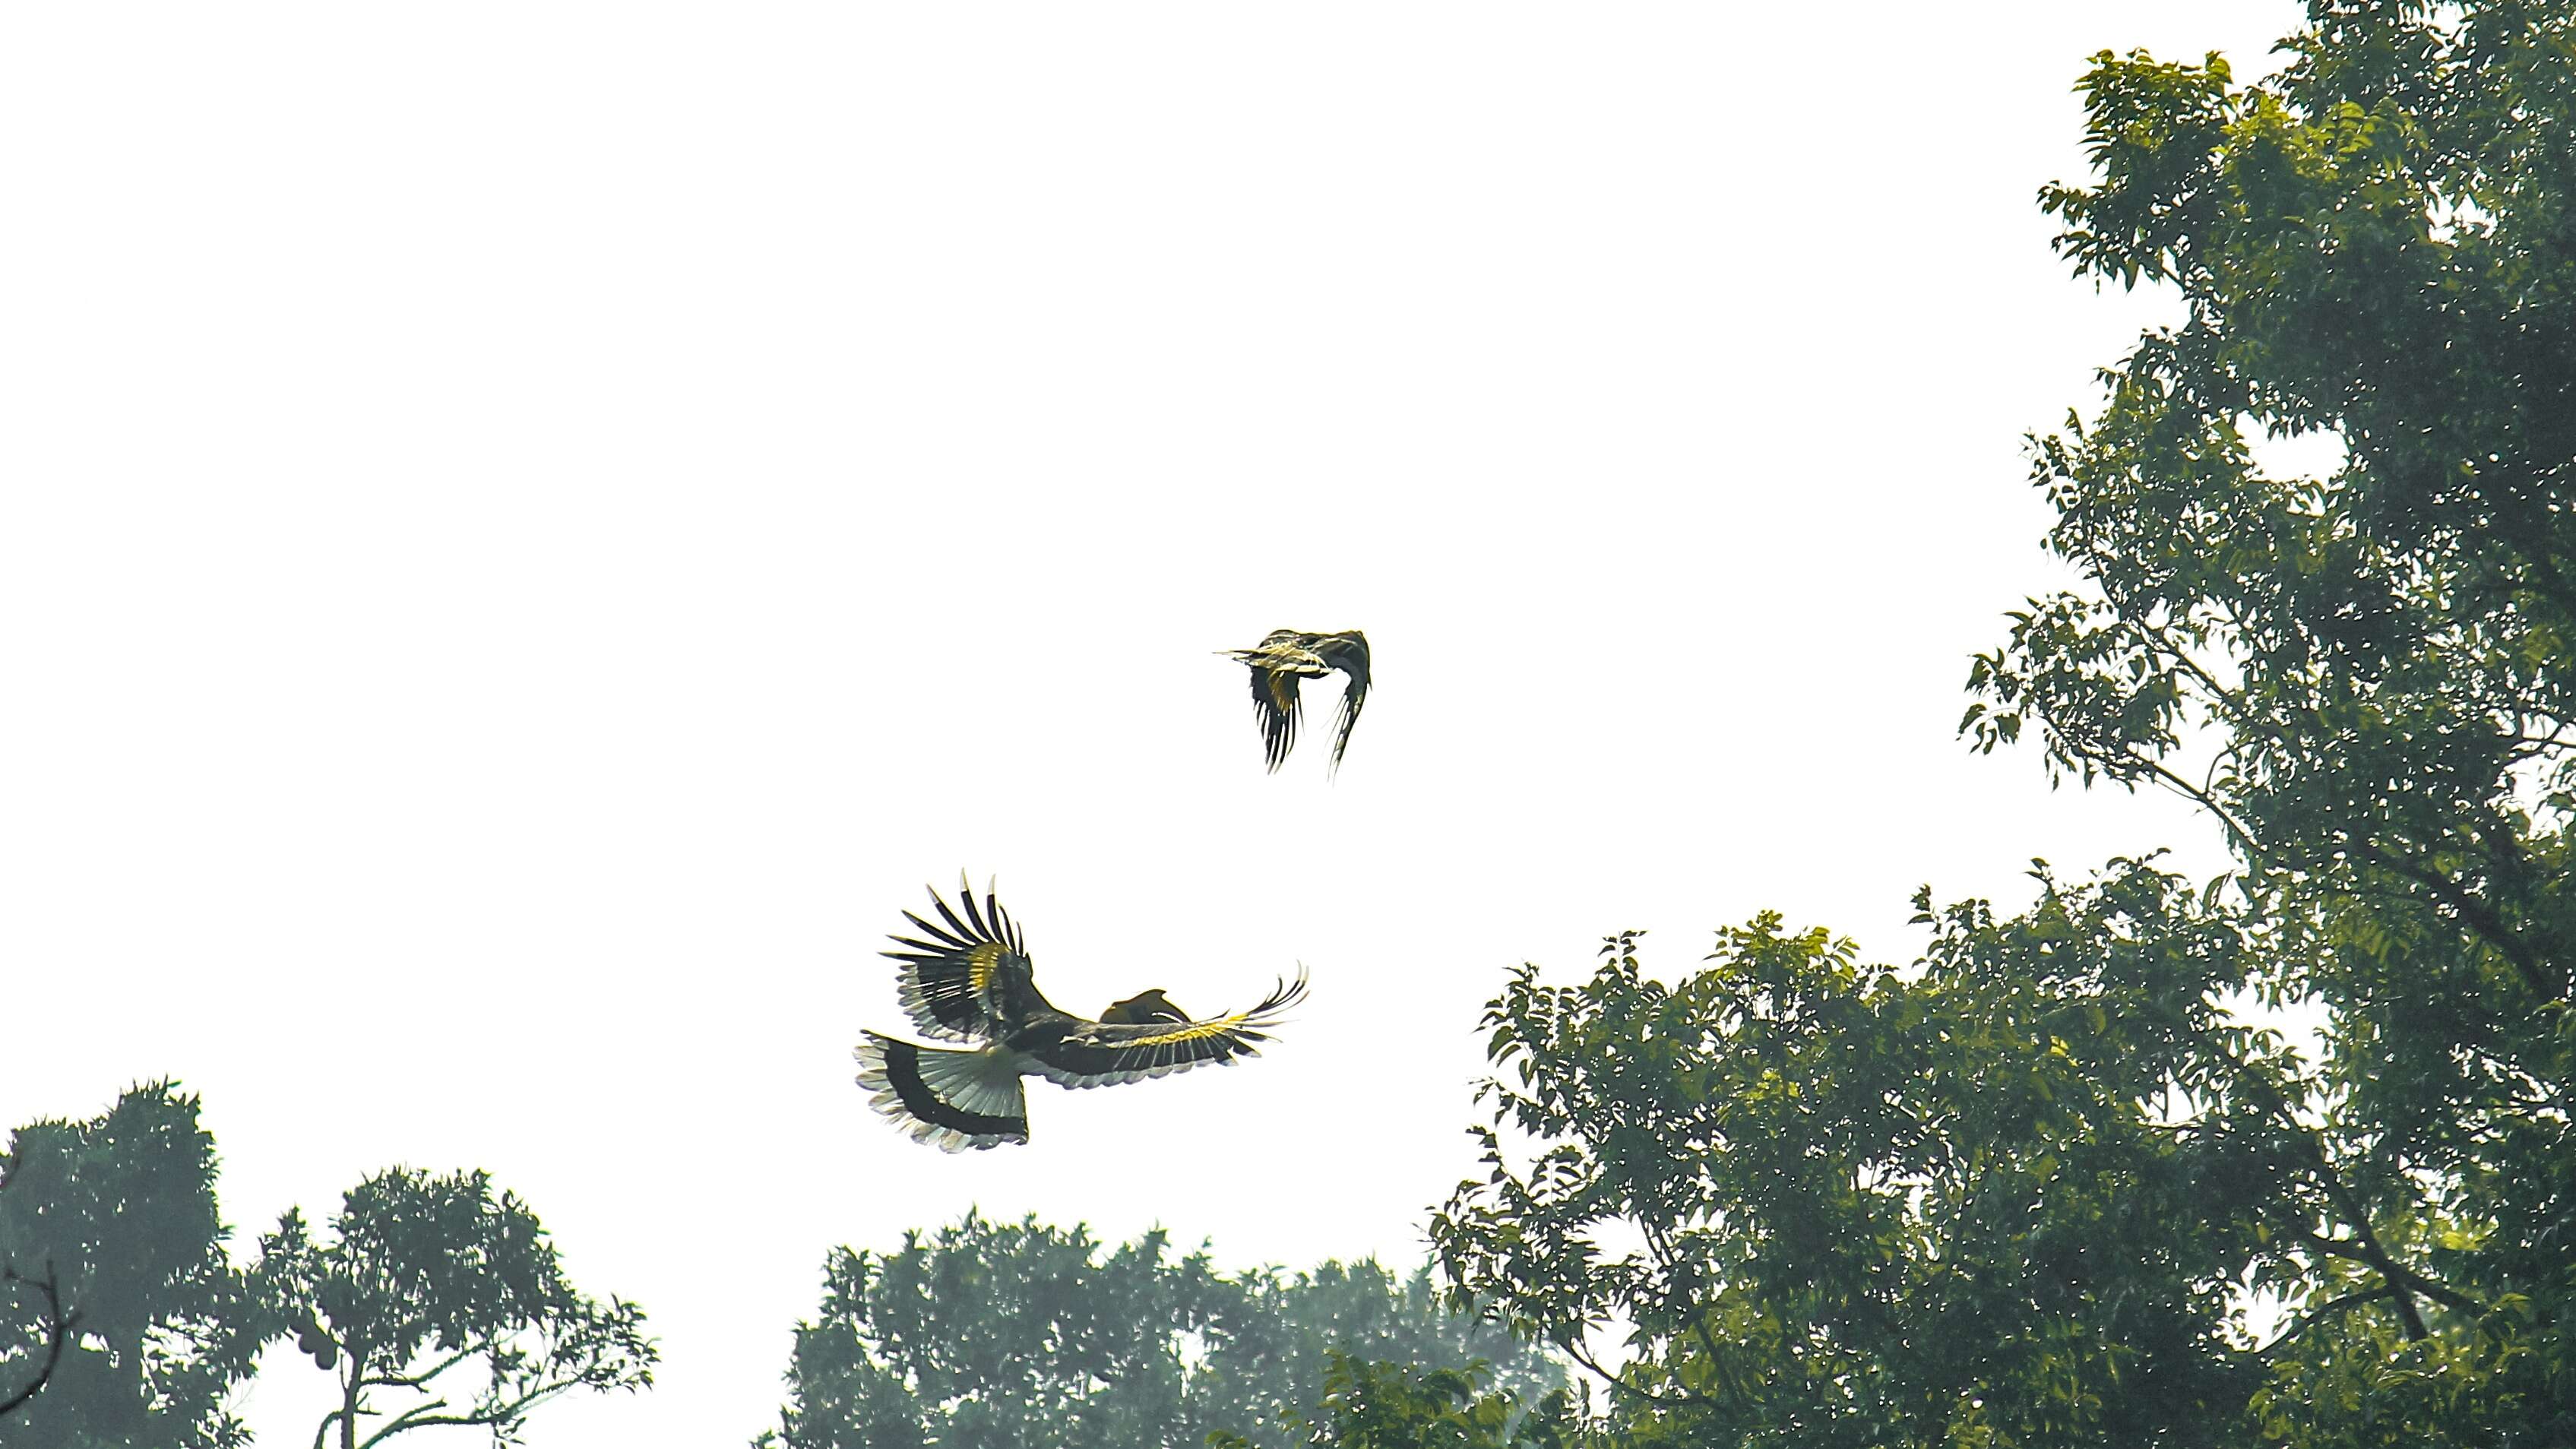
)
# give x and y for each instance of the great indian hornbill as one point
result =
(971, 982)
(1287, 656)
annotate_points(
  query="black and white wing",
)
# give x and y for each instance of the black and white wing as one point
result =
(1098, 1054)
(1278, 662)
(1349, 653)
(967, 981)
(1274, 700)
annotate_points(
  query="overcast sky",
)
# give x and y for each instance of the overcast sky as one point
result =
(531, 531)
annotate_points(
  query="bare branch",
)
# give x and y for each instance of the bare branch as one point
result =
(59, 1328)
(420, 1381)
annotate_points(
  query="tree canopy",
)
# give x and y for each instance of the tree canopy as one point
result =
(2365, 677)
(1405, 1406)
(123, 1321)
(2054, 1181)
(985, 1335)
(2009, 1195)
(114, 1282)
(427, 1276)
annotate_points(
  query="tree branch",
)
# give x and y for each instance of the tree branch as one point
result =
(1689, 1394)
(2477, 915)
(2367, 1250)
(420, 1381)
(59, 1328)
(1698, 1315)
(421, 1416)
(412, 1418)
(2404, 1282)
(2317, 1315)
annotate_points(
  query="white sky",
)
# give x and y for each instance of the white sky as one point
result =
(531, 531)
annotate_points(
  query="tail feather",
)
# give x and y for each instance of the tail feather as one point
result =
(953, 1100)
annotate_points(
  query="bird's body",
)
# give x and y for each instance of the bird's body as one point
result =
(972, 982)
(1287, 656)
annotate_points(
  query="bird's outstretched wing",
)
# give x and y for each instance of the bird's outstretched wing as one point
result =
(1274, 700)
(1278, 662)
(1097, 1054)
(961, 984)
(1349, 653)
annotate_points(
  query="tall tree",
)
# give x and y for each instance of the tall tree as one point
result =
(115, 1285)
(995, 1334)
(2367, 677)
(437, 1303)
(2047, 1186)
(2007, 1196)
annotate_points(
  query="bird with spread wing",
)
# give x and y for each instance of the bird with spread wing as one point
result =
(1279, 661)
(970, 981)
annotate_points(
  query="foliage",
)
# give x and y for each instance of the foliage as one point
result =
(990, 1334)
(425, 1276)
(2367, 677)
(1399, 1406)
(2045, 1187)
(2008, 1196)
(112, 1256)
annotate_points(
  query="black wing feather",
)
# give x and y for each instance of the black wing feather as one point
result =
(966, 983)
(1352, 695)
(1278, 723)
(1095, 1054)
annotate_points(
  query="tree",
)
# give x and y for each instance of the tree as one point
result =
(2007, 1196)
(2048, 1185)
(2368, 677)
(1399, 1406)
(1284, 1341)
(426, 1276)
(122, 1320)
(990, 1334)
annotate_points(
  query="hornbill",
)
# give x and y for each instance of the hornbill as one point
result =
(971, 982)
(1288, 656)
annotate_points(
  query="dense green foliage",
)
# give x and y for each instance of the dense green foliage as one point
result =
(2006, 1196)
(427, 1276)
(113, 1249)
(2047, 1186)
(1401, 1406)
(986, 1335)
(112, 1258)
(2380, 245)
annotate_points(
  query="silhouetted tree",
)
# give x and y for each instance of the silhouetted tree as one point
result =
(425, 1277)
(987, 1334)
(119, 1284)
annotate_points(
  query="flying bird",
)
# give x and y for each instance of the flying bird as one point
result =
(970, 981)
(1287, 656)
